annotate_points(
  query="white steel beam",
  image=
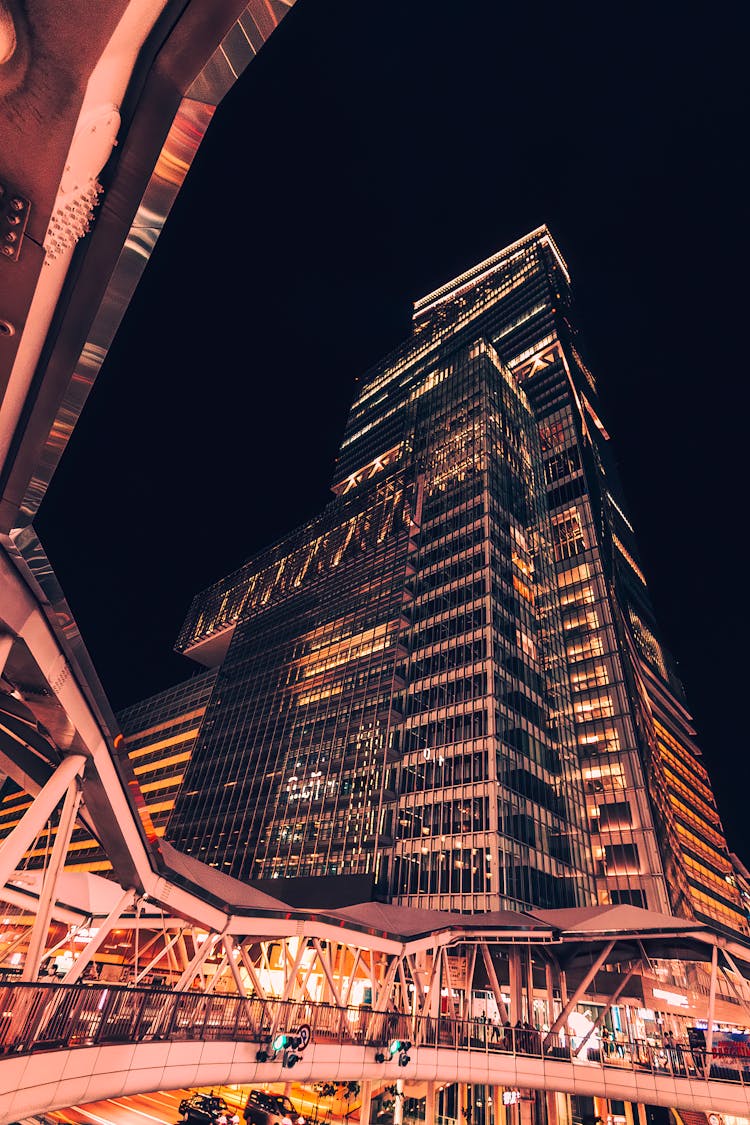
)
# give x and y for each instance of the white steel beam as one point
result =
(580, 991)
(40, 929)
(103, 930)
(15, 846)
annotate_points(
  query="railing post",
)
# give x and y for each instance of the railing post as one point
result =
(711, 1010)
(106, 1011)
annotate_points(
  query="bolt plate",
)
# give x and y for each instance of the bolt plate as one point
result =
(14, 215)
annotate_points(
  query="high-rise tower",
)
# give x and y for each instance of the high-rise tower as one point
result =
(451, 681)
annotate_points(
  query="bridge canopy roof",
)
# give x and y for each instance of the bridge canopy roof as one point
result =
(613, 920)
(407, 922)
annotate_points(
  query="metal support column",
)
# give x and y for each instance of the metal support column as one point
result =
(398, 1104)
(365, 1105)
(429, 1104)
(711, 1009)
(516, 986)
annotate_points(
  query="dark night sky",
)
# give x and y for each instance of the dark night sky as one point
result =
(369, 154)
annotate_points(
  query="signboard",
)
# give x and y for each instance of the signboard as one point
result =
(458, 969)
(732, 1044)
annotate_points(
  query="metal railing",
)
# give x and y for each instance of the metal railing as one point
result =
(53, 1016)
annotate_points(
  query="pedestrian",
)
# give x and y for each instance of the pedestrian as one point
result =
(508, 1036)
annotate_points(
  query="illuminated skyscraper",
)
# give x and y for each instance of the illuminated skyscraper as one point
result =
(451, 681)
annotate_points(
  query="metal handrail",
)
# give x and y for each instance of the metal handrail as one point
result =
(39, 1017)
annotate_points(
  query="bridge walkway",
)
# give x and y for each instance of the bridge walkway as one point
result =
(67, 1044)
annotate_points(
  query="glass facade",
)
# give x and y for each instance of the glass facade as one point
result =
(294, 773)
(452, 679)
(159, 734)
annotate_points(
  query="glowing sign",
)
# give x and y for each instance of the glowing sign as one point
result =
(674, 998)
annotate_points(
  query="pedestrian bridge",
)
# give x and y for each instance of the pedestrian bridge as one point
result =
(65, 1045)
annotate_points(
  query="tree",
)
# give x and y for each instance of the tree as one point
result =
(343, 1091)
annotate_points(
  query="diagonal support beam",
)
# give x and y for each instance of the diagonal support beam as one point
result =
(212, 984)
(430, 1002)
(40, 929)
(195, 965)
(741, 999)
(155, 960)
(291, 979)
(469, 990)
(103, 931)
(328, 972)
(383, 997)
(229, 949)
(494, 982)
(15, 846)
(612, 1000)
(250, 970)
(404, 986)
(352, 975)
(579, 992)
(304, 986)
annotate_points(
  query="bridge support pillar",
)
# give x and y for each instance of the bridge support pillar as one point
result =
(550, 1099)
(464, 1105)
(499, 1115)
(365, 1105)
(398, 1105)
(429, 1105)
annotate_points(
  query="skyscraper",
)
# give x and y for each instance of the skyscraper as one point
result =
(451, 681)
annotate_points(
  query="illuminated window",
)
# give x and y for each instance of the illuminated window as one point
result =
(567, 531)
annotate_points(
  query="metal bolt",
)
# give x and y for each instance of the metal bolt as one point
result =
(16, 203)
